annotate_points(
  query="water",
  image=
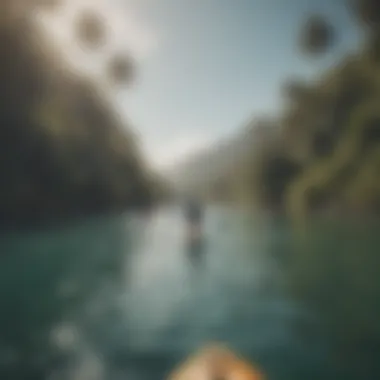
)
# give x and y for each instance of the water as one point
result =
(121, 298)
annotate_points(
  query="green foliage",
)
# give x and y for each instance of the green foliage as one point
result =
(65, 152)
(325, 135)
(278, 172)
(331, 174)
(327, 129)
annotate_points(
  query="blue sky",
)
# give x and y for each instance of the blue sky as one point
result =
(204, 66)
(219, 62)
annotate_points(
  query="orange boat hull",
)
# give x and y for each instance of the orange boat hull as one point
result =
(216, 362)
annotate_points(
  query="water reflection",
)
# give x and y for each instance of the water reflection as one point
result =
(235, 294)
(49, 281)
(195, 251)
(121, 296)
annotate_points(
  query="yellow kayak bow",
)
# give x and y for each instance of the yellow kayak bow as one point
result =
(216, 362)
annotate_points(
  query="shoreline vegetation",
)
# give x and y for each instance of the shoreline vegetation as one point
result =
(325, 177)
(66, 153)
(321, 154)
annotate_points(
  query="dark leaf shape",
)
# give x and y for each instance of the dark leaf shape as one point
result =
(367, 11)
(322, 144)
(120, 69)
(317, 35)
(90, 29)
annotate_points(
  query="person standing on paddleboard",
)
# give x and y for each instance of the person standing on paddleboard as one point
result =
(194, 218)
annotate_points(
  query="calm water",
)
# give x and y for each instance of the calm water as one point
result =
(122, 298)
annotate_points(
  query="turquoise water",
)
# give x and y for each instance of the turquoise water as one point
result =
(122, 298)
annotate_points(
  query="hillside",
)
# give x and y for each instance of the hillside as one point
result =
(203, 173)
(65, 150)
(323, 156)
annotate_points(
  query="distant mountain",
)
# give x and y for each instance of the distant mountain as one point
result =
(213, 163)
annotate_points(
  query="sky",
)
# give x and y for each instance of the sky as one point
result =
(205, 67)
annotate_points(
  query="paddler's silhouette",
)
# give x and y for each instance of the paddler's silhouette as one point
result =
(194, 227)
